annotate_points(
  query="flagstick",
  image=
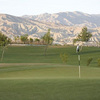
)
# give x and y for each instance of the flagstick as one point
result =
(78, 52)
(79, 66)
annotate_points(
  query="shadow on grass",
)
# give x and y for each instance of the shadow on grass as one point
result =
(87, 52)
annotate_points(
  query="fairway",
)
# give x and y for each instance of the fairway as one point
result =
(26, 74)
(35, 54)
(50, 89)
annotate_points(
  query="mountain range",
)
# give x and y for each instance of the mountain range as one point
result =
(65, 26)
(69, 18)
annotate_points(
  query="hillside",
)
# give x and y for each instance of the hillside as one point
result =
(69, 18)
(16, 26)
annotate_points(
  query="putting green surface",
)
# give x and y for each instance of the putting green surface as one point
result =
(45, 71)
(48, 82)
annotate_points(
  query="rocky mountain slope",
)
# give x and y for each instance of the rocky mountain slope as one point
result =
(17, 26)
(69, 18)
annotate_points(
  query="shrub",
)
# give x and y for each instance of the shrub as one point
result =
(64, 57)
(89, 61)
(99, 62)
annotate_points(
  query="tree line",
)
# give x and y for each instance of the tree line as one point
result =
(47, 39)
(24, 39)
(4, 41)
(83, 36)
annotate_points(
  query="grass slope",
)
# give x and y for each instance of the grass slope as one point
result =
(26, 74)
(36, 55)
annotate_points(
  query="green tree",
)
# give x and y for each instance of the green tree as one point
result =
(84, 36)
(17, 39)
(24, 38)
(47, 40)
(37, 40)
(31, 40)
(4, 41)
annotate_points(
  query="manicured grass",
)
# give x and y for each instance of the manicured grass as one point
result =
(52, 89)
(36, 55)
(46, 71)
(26, 74)
(48, 82)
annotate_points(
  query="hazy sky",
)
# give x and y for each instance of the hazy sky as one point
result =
(34, 7)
